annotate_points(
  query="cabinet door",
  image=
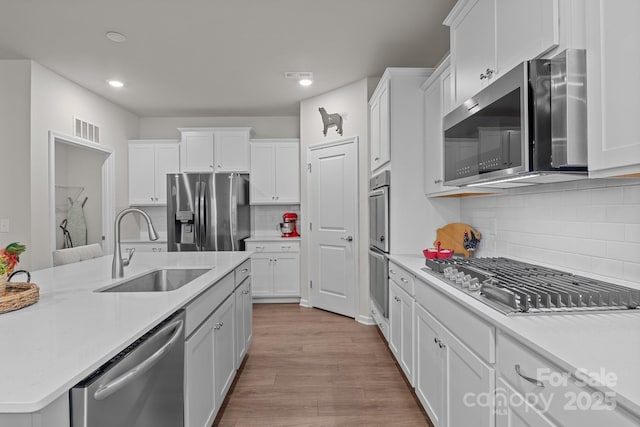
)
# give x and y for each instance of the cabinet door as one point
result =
(243, 309)
(196, 152)
(167, 161)
(287, 173)
(224, 351)
(473, 49)
(514, 411)
(200, 398)
(429, 375)
(286, 281)
(232, 151)
(613, 43)
(374, 150)
(433, 141)
(401, 328)
(395, 320)
(525, 30)
(385, 125)
(467, 378)
(262, 274)
(142, 174)
(263, 178)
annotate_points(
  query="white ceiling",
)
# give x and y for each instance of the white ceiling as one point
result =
(222, 57)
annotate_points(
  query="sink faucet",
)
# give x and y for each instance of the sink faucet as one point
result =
(117, 267)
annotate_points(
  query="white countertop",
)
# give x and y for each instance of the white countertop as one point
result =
(609, 341)
(270, 238)
(50, 346)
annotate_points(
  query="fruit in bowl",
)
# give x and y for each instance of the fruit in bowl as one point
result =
(430, 253)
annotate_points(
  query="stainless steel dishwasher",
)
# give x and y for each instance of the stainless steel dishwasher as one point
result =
(141, 386)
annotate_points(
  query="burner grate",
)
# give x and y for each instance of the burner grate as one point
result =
(529, 288)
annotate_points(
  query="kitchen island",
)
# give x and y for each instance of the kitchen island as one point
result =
(49, 347)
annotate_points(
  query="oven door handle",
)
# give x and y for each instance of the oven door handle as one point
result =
(375, 193)
(108, 389)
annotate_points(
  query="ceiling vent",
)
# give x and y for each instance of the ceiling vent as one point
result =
(85, 130)
(298, 75)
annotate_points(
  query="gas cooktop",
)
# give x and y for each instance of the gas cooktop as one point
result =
(515, 287)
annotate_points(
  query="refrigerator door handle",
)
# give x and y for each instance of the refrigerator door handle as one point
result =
(201, 214)
(232, 209)
(196, 224)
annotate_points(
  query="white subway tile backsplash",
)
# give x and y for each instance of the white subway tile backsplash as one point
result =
(589, 226)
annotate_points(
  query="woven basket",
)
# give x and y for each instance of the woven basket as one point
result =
(16, 295)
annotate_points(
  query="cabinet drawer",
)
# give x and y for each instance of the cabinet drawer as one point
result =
(569, 401)
(243, 271)
(402, 278)
(474, 332)
(205, 303)
(283, 246)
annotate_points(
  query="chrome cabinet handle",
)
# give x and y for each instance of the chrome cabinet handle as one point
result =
(392, 271)
(533, 381)
(437, 181)
(348, 238)
(403, 280)
(489, 73)
(244, 270)
(397, 299)
(376, 159)
(440, 343)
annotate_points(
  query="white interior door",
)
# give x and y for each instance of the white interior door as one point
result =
(333, 199)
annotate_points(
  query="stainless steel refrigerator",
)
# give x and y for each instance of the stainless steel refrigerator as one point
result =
(207, 211)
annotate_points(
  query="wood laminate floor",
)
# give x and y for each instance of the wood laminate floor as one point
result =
(308, 367)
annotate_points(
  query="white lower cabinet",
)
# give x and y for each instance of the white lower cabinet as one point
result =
(223, 347)
(401, 328)
(244, 326)
(454, 377)
(513, 410)
(562, 397)
(275, 269)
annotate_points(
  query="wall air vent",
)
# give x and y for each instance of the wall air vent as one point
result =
(298, 75)
(85, 130)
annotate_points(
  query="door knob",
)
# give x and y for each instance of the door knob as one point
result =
(348, 238)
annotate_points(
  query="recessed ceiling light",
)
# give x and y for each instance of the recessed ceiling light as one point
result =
(115, 36)
(115, 83)
(305, 82)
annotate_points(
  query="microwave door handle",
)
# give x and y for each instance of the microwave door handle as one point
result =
(113, 386)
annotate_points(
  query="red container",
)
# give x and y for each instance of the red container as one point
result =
(445, 253)
(430, 253)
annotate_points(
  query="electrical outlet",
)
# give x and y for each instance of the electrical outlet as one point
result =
(4, 225)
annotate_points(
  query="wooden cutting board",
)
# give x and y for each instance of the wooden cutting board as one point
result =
(451, 236)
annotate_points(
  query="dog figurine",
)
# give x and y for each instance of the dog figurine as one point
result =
(329, 120)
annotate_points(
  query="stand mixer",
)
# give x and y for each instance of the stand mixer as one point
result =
(288, 226)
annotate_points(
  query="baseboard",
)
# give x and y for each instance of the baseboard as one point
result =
(365, 320)
(304, 303)
(292, 300)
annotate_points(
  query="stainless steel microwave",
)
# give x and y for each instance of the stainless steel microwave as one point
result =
(528, 126)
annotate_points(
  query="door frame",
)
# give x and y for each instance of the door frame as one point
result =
(108, 187)
(356, 235)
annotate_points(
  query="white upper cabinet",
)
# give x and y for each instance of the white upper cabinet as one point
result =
(275, 171)
(232, 151)
(380, 125)
(149, 163)
(613, 58)
(489, 37)
(214, 149)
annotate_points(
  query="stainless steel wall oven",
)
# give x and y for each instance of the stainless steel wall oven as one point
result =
(379, 241)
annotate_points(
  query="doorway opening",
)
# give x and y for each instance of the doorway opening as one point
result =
(81, 193)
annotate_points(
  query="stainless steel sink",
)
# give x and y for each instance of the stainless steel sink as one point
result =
(164, 280)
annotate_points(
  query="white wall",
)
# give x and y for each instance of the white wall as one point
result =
(351, 102)
(590, 226)
(54, 102)
(15, 77)
(263, 127)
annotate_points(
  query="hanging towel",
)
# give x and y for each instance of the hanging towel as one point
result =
(76, 224)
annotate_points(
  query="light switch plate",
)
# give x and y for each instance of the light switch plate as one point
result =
(4, 225)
